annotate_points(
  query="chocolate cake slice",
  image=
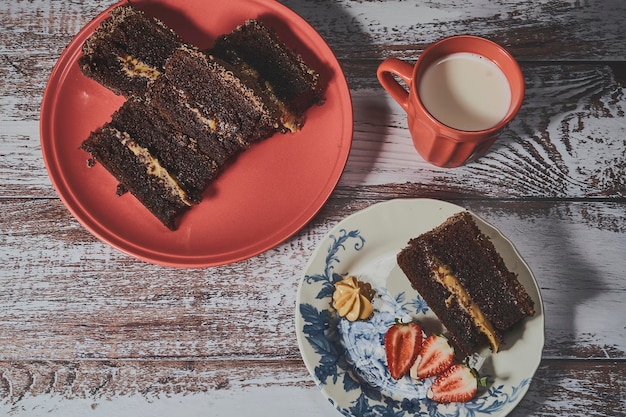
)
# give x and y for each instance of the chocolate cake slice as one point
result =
(256, 49)
(128, 51)
(463, 279)
(173, 105)
(161, 167)
(205, 96)
(115, 150)
(178, 154)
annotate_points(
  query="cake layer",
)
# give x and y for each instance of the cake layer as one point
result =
(177, 153)
(128, 51)
(174, 106)
(221, 97)
(256, 47)
(457, 270)
(137, 173)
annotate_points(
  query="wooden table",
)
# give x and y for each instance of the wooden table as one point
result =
(88, 331)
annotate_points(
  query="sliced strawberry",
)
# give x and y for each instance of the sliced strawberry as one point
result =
(402, 345)
(437, 355)
(458, 383)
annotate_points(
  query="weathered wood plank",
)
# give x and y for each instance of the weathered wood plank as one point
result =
(568, 29)
(32, 37)
(576, 389)
(567, 142)
(538, 30)
(87, 330)
(122, 388)
(68, 296)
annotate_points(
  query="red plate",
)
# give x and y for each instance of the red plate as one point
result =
(270, 192)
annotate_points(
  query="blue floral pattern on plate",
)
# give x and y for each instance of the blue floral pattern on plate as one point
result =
(352, 357)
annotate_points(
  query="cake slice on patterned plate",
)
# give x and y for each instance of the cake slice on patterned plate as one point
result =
(463, 279)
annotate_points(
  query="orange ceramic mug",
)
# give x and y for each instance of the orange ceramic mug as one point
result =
(462, 91)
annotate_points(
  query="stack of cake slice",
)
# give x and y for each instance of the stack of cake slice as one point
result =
(188, 112)
(286, 77)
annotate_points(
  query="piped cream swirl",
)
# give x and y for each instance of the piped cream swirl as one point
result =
(353, 299)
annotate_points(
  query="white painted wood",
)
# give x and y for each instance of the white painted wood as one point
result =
(277, 401)
(88, 331)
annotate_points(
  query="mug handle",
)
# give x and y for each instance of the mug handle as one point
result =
(404, 70)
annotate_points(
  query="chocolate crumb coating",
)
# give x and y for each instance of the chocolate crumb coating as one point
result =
(256, 47)
(128, 51)
(106, 146)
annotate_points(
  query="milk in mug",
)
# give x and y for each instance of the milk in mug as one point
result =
(465, 91)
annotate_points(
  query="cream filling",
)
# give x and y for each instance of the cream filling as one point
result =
(211, 123)
(446, 278)
(288, 120)
(135, 68)
(154, 167)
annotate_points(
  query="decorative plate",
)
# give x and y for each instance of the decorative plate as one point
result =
(347, 359)
(268, 193)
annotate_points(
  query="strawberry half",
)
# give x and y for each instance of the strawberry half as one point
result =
(437, 355)
(458, 383)
(402, 345)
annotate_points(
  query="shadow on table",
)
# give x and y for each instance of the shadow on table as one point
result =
(352, 44)
(565, 293)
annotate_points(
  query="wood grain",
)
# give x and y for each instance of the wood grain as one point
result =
(86, 310)
(538, 31)
(87, 330)
(96, 383)
(567, 142)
